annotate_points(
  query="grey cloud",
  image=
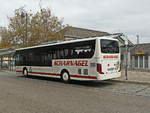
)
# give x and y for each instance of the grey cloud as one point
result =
(129, 16)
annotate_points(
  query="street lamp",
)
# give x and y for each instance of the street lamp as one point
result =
(25, 15)
(126, 66)
(126, 55)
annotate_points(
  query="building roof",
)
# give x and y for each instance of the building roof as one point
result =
(75, 32)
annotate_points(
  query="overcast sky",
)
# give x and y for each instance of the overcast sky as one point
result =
(128, 16)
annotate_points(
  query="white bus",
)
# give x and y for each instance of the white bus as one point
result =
(95, 58)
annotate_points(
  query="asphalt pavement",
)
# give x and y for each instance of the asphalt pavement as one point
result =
(45, 95)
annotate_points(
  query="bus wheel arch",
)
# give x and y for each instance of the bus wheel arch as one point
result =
(65, 76)
(25, 72)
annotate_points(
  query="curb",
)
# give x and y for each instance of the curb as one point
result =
(131, 82)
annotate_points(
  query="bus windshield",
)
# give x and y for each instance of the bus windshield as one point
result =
(109, 46)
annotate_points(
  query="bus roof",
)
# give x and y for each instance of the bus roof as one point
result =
(67, 41)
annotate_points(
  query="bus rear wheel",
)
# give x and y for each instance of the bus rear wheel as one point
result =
(65, 77)
(25, 73)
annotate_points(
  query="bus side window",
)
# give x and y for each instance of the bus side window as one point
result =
(24, 60)
(66, 53)
(49, 59)
(54, 54)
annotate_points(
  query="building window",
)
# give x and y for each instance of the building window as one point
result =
(146, 62)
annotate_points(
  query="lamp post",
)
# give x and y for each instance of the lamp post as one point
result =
(126, 56)
(25, 15)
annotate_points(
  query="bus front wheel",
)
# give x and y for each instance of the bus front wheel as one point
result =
(65, 77)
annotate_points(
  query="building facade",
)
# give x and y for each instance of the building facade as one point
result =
(140, 56)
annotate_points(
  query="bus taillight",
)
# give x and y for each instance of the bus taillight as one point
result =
(99, 68)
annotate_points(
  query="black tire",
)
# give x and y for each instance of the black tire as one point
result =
(25, 73)
(65, 77)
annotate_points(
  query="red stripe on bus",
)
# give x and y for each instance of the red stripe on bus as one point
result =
(80, 76)
(54, 74)
(18, 71)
